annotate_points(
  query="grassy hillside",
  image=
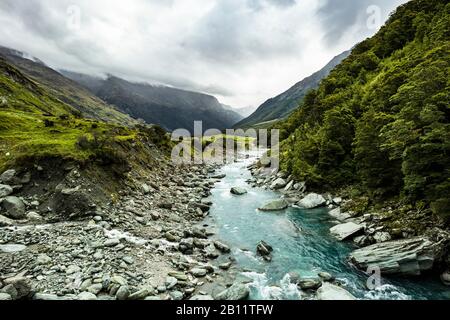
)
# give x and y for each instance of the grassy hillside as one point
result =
(34, 124)
(380, 120)
(66, 90)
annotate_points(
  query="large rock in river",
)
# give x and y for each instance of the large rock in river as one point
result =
(312, 200)
(238, 191)
(275, 205)
(346, 230)
(15, 208)
(405, 257)
(330, 291)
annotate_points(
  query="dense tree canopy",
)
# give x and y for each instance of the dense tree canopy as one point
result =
(381, 118)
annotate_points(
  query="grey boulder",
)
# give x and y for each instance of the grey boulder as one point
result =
(330, 291)
(311, 201)
(5, 190)
(278, 184)
(15, 208)
(236, 292)
(238, 191)
(403, 257)
(275, 205)
(346, 230)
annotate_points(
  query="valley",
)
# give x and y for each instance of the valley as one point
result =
(93, 205)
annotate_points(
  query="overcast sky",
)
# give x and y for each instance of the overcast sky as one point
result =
(242, 51)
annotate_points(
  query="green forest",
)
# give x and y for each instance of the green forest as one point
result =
(380, 121)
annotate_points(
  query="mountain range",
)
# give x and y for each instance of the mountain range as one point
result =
(117, 100)
(169, 107)
(284, 104)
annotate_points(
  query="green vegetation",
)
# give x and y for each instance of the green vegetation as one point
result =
(380, 120)
(35, 125)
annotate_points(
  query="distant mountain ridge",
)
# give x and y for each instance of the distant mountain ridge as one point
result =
(66, 90)
(169, 107)
(284, 104)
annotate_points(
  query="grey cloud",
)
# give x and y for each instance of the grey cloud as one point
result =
(338, 16)
(244, 51)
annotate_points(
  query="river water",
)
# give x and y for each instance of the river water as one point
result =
(301, 243)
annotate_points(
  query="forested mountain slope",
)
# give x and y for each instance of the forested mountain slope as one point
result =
(282, 105)
(380, 120)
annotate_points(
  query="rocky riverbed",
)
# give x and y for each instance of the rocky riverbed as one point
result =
(149, 243)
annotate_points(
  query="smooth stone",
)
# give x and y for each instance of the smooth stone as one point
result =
(339, 215)
(199, 273)
(289, 186)
(5, 297)
(72, 269)
(145, 188)
(176, 295)
(34, 216)
(445, 278)
(152, 298)
(7, 176)
(87, 296)
(46, 297)
(238, 191)
(15, 208)
(111, 242)
(123, 293)
(6, 222)
(312, 200)
(346, 230)
(139, 295)
(309, 283)
(178, 275)
(325, 276)
(236, 292)
(43, 259)
(330, 291)
(5, 190)
(201, 297)
(275, 205)
(21, 284)
(403, 257)
(170, 283)
(12, 248)
(278, 184)
(222, 247)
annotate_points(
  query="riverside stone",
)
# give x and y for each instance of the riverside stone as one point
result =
(238, 191)
(405, 257)
(15, 208)
(12, 248)
(346, 230)
(7, 176)
(278, 184)
(123, 293)
(5, 190)
(339, 215)
(275, 205)
(236, 292)
(87, 296)
(330, 291)
(312, 200)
